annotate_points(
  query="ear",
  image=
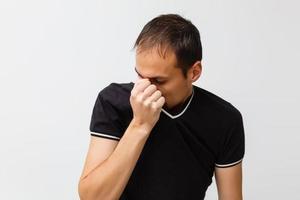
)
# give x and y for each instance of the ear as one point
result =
(195, 71)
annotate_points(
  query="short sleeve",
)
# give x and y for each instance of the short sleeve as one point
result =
(106, 119)
(233, 145)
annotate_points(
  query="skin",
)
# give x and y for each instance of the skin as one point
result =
(229, 182)
(175, 88)
(168, 78)
(109, 163)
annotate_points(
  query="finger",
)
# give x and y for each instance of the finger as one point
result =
(155, 96)
(160, 102)
(140, 87)
(141, 81)
(149, 91)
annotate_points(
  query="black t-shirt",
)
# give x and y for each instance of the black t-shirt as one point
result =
(183, 148)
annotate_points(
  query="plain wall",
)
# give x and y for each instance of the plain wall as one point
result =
(55, 56)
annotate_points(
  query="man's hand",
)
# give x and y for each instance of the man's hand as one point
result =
(146, 102)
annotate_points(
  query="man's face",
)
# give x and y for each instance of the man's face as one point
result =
(163, 73)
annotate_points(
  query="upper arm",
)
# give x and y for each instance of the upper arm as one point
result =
(229, 182)
(99, 150)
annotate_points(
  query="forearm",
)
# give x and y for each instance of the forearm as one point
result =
(230, 198)
(108, 180)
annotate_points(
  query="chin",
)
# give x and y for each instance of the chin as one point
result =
(166, 105)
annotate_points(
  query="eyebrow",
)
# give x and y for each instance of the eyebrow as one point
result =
(155, 77)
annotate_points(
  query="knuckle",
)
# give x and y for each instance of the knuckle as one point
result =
(139, 98)
(147, 104)
(154, 106)
(153, 86)
(146, 82)
(132, 93)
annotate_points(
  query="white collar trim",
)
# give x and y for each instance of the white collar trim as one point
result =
(181, 113)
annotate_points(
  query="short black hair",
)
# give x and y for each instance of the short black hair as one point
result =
(175, 32)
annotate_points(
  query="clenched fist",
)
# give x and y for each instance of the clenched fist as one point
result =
(146, 102)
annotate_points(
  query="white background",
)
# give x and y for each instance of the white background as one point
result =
(55, 56)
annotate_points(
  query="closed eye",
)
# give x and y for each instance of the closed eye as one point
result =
(157, 81)
(152, 80)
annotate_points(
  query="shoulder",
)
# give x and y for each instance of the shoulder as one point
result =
(116, 93)
(114, 99)
(112, 111)
(116, 90)
(218, 106)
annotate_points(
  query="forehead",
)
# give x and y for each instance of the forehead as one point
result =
(150, 63)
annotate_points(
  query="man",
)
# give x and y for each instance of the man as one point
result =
(163, 138)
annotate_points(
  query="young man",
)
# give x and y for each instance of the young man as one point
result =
(161, 137)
